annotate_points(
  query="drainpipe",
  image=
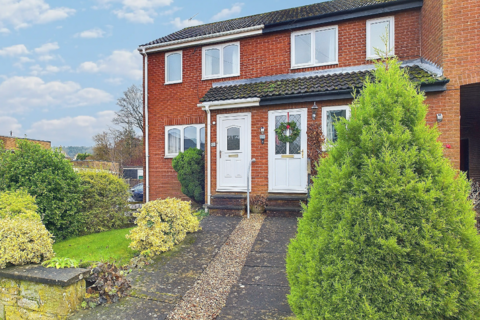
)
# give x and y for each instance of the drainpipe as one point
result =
(209, 154)
(147, 149)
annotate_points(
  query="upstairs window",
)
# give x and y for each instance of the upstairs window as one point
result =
(173, 67)
(377, 29)
(221, 61)
(317, 47)
(181, 138)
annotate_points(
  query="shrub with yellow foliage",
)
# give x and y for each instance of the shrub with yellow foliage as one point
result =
(161, 224)
(23, 237)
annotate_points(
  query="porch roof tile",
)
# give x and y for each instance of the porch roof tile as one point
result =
(311, 84)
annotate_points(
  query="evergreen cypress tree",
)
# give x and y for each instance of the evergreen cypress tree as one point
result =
(389, 232)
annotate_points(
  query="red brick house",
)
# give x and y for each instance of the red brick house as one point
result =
(225, 87)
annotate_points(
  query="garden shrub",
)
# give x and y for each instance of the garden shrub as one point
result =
(161, 224)
(23, 237)
(190, 167)
(16, 203)
(104, 201)
(389, 232)
(50, 178)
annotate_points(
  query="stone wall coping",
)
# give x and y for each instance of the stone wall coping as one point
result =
(52, 276)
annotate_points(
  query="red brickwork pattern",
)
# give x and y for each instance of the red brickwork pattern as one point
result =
(432, 31)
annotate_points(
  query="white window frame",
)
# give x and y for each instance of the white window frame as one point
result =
(391, 19)
(182, 137)
(324, 122)
(312, 53)
(220, 47)
(181, 67)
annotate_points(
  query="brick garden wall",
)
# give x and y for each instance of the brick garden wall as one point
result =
(10, 143)
(260, 56)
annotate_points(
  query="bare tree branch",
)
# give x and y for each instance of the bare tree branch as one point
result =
(130, 114)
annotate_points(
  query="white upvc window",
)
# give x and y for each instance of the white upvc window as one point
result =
(173, 67)
(181, 138)
(376, 30)
(315, 47)
(221, 61)
(330, 115)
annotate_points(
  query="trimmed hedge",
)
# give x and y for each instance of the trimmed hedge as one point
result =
(389, 232)
(50, 178)
(190, 167)
(104, 201)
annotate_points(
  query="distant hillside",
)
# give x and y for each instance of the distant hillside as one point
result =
(72, 151)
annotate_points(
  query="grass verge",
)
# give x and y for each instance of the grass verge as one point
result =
(109, 246)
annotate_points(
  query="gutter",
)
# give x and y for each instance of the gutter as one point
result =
(147, 149)
(229, 104)
(203, 40)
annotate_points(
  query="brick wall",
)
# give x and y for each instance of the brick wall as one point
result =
(260, 56)
(432, 31)
(10, 143)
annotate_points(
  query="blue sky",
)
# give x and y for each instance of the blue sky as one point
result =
(63, 64)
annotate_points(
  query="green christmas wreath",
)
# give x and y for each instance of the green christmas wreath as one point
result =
(290, 126)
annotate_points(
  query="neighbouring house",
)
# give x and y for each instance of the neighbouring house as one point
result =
(225, 87)
(10, 143)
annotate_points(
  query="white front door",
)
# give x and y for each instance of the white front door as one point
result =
(233, 151)
(287, 162)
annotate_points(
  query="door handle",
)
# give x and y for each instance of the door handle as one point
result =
(220, 154)
(302, 153)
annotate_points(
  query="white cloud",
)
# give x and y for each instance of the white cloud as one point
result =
(138, 11)
(4, 31)
(120, 63)
(15, 50)
(47, 47)
(46, 57)
(91, 34)
(8, 124)
(71, 129)
(38, 70)
(21, 94)
(180, 24)
(227, 13)
(23, 60)
(24, 13)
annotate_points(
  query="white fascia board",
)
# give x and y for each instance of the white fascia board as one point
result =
(206, 39)
(230, 104)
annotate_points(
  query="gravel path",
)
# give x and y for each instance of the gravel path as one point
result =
(209, 294)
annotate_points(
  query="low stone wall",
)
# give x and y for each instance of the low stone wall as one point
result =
(34, 292)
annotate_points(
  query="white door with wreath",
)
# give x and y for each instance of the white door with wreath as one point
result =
(287, 151)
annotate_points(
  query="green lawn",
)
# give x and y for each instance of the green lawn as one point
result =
(109, 246)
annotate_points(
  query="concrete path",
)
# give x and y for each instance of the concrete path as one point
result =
(259, 294)
(262, 287)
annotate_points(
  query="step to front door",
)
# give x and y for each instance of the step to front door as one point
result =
(228, 205)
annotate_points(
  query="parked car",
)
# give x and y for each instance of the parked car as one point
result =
(137, 192)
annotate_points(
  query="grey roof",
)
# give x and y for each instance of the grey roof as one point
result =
(274, 18)
(312, 84)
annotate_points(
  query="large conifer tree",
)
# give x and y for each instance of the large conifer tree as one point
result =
(389, 232)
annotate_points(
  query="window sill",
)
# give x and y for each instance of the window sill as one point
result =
(170, 156)
(175, 82)
(314, 65)
(371, 58)
(221, 77)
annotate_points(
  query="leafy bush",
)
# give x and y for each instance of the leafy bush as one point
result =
(23, 237)
(17, 203)
(104, 201)
(109, 285)
(46, 175)
(389, 232)
(161, 225)
(190, 167)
